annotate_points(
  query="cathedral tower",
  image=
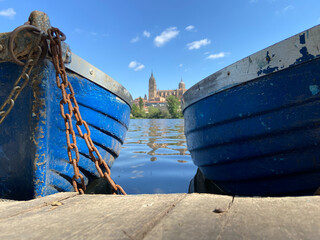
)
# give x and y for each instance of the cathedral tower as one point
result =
(152, 88)
(182, 85)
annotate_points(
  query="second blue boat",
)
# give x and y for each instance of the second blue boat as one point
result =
(253, 128)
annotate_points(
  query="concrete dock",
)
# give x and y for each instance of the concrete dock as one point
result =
(165, 216)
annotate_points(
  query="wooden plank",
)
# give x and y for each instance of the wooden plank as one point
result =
(165, 216)
(91, 217)
(13, 208)
(204, 216)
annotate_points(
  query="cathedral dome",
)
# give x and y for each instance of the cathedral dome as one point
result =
(182, 85)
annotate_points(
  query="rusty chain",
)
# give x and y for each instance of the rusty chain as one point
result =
(23, 79)
(69, 101)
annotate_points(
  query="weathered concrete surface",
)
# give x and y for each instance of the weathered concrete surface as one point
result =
(171, 216)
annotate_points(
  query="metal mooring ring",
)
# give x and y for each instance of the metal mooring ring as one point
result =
(12, 37)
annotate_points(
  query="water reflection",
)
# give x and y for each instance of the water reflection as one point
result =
(154, 157)
(161, 136)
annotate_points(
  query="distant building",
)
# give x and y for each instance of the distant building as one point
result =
(157, 98)
(161, 95)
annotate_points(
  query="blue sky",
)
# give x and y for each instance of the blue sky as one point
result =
(191, 39)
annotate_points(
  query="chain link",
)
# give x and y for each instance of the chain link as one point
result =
(69, 102)
(20, 83)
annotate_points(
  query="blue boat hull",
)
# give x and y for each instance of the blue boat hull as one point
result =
(33, 150)
(262, 137)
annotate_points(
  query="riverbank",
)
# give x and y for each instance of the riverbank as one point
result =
(160, 216)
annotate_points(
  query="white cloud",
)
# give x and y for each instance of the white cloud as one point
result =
(146, 34)
(180, 65)
(77, 30)
(190, 28)
(136, 66)
(133, 64)
(285, 10)
(198, 44)
(217, 55)
(88, 33)
(166, 36)
(10, 13)
(140, 67)
(134, 40)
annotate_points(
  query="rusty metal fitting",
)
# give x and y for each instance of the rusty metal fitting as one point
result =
(13, 36)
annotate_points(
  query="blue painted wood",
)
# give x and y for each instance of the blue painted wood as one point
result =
(261, 137)
(33, 153)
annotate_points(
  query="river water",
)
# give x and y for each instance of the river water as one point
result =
(154, 158)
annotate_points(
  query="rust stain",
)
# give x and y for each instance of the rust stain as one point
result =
(41, 163)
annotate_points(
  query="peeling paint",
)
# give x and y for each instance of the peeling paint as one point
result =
(305, 56)
(264, 125)
(314, 89)
(267, 70)
(39, 133)
(302, 39)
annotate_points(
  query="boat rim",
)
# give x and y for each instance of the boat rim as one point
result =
(95, 75)
(292, 51)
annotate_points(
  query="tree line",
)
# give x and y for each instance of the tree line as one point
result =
(173, 109)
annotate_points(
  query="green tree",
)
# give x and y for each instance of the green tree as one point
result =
(173, 105)
(154, 112)
(164, 113)
(134, 110)
(141, 104)
(137, 112)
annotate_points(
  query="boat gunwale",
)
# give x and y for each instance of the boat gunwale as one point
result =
(83, 68)
(303, 47)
